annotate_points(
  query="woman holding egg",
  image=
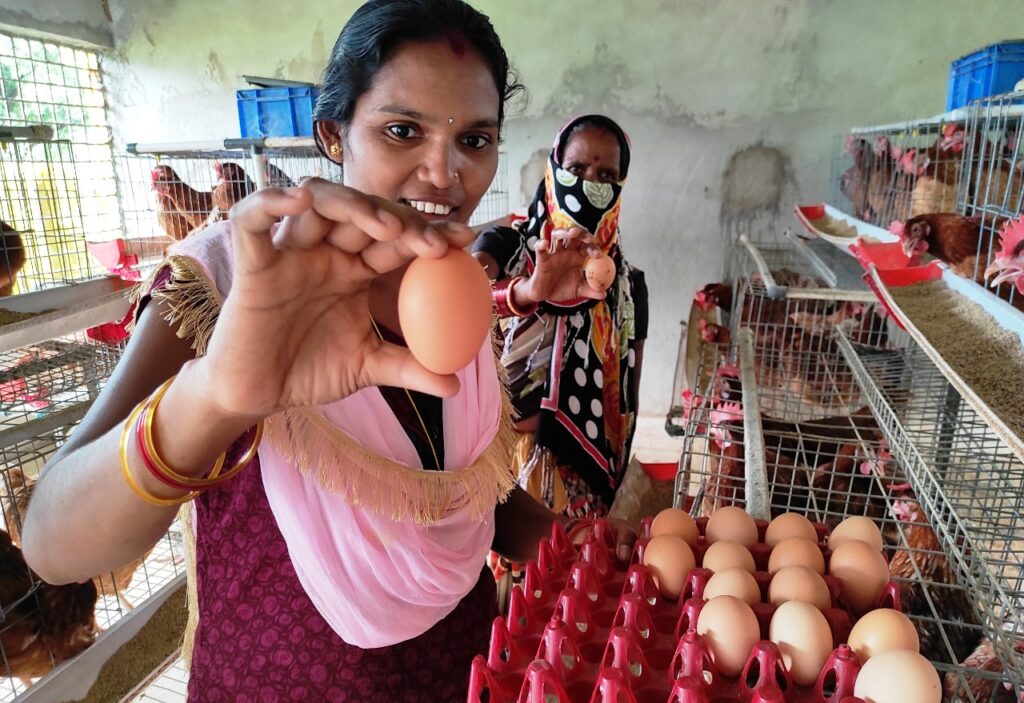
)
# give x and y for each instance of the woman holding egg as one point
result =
(339, 510)
(573, 347)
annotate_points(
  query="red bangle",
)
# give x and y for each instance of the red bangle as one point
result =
(503, 299)
(151, 466)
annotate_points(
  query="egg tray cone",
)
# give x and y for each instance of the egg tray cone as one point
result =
(585, 627)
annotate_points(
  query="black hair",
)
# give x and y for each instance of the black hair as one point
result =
(605, 124)
(379, 27)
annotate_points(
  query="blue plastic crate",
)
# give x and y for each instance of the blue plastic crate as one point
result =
(276, 112)
(989, 71)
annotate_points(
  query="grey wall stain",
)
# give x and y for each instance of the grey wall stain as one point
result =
(753, 181)
(215, 68)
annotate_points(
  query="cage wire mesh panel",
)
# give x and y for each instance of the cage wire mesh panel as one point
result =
(992, 187)
(894, 172)
(968, 483)
(56, 193)
(45, 389)
(829, 468)
(165, 196)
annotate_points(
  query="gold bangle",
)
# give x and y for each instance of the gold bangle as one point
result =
(215, 477)
(127, 472)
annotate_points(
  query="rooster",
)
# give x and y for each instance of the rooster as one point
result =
(234, 185)
(194, 205)
(954, 239)
(937, 584)
(44, 624)
(16, 500)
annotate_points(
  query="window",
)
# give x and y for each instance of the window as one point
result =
(61, 192)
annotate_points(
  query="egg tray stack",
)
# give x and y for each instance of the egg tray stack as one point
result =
(585, 627)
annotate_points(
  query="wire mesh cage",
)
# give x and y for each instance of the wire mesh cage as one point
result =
(45, 390)
(992, 187)
(968, 482)
(43, 226)
(168, 192)
(57, 185)
(833, 466)
(894, 172)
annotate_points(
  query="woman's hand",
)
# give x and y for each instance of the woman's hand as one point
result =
(295, 329)
(558, 274)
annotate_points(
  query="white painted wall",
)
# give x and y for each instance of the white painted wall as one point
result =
(692, 81)
(81, 21)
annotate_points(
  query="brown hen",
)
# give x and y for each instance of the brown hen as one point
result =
(983, 658)
(194, 205)
(16, 500)
(44, 624)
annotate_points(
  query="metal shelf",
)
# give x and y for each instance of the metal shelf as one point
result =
(966, 479)
(59, 312)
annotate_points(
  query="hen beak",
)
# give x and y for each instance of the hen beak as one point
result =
(1003, 270)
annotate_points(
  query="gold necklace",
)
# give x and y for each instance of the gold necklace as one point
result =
(426, 432)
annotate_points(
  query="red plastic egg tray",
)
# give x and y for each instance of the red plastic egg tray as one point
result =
(585, 627)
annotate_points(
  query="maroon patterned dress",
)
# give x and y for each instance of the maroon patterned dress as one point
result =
(260, 638)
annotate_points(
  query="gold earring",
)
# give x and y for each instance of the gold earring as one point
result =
(335, 150)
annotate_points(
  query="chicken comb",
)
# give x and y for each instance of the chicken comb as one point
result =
(700, 299)
(1011, 239)
(218, 168)
(899, 228)
(727, 412)
(691, 402)
(881, 145)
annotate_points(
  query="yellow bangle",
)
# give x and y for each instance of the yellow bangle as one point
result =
(127, 472)
(215, 476)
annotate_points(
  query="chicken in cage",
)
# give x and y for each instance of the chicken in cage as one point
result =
(43, 228)
(969, 478)
(900, 171)
(830, 468)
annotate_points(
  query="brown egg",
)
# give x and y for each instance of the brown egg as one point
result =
(728, 555)
(671, 561)
(801, 584)
(883, 630)
(733, 582)
(730, 629)
(862, 573)
(796, 551)
(672, 521)
(731, 525)
(789, 525)
(856, 527)
(444, 309)
(804, 637)
(600, 272)
(898, 676)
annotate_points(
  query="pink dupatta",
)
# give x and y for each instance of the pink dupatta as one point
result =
(383, 548)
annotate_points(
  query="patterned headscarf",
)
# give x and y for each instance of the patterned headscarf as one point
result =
(586, 412)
